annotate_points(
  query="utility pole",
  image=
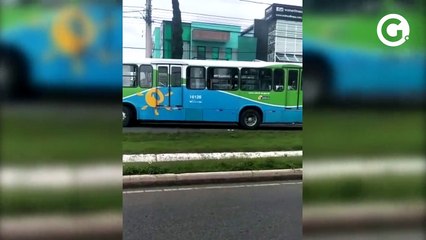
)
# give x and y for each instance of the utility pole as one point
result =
(148, 37)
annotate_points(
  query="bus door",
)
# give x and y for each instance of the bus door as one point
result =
(293, 95)
(175, 89)
(162, 86)
(169, 86)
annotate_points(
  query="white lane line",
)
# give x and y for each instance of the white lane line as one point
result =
(209, 187)
(339, 168)
(61, 176)
(166, 157)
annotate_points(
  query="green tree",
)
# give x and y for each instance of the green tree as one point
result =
(177, 43)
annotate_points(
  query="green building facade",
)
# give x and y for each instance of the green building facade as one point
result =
(156, 50)
(205, 41)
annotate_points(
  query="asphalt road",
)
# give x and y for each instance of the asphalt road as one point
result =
(269, 210)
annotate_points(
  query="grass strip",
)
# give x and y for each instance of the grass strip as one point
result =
(363, 132)
(27, 202)
(212, 165)
(58, 137)
(134, 143)
(358, 189)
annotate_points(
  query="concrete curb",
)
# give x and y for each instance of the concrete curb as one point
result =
(168, 157)
(107, 225)
(134, 181)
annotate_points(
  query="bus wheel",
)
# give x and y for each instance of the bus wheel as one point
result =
(316, 83)
(250, 119)
(128, 116)
(13, 76)
(313, 91)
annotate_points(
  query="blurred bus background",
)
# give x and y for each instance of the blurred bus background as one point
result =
(363, 142)
(60, 121)
(347, 63)
(60, 47)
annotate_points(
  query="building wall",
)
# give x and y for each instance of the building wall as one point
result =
(247, 48)
(261, 33)
(285, 41)
(156, 52)
(284, 32)
(226, 50)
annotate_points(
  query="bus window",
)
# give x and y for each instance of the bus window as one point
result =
(220, 78)
(196, 78)
(265, 77)
(145, 76)
(292, 79)
(253, 79)
(249, 80)
(278, 80)
(129, 75)
(176, 77)
(163, 76)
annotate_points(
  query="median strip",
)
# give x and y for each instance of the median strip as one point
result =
(169, 157)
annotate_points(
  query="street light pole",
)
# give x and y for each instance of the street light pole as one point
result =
(148, 22)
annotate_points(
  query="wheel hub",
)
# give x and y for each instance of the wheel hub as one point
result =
(251, 120)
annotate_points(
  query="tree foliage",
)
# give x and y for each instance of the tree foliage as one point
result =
(177, 42)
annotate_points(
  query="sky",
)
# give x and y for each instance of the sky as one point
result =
(234, 12)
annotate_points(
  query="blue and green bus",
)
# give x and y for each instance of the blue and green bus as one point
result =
(247, 93)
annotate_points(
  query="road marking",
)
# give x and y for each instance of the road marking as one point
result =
(176, 189)
(167, 157)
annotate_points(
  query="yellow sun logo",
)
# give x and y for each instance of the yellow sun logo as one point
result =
(73, 33)
(153, 98)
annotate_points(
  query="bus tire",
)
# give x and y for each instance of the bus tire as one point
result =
(13, 75)
(250, 119)
(316, 81)
(128, 116)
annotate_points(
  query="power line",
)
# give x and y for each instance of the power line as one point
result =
(255, 2)
(133, 17)
(159, 21)
(205, 14)
(192, 13)
(194, 51)
(130, 6)
(133, 11)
